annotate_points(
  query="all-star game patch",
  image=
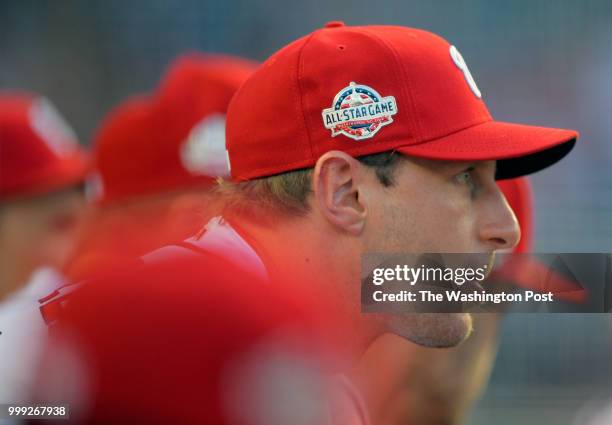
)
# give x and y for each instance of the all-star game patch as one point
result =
(359, 112)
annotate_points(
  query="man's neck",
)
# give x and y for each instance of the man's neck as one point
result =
(307, 252)
(293, 247)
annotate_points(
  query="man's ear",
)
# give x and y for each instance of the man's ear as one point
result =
(336, 181)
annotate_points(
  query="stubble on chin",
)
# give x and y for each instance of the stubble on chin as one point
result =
(439, 330)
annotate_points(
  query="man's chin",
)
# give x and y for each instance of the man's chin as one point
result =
(439, 330)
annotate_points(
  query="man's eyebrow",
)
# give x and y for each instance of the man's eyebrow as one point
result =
(436, 163)
(445, 166)
(480, 164)
(461, 165)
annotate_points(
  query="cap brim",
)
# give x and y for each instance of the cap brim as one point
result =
(61, 175)
(73, 172)
(519, 149)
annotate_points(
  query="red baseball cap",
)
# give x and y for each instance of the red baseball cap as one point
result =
(39, 152)
(124, 158)
(190, 106)
(174, 139)
(370, 89)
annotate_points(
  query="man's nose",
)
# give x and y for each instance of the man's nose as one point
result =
(500, 228)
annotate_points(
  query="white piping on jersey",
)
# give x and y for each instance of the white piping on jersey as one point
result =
(218, 238)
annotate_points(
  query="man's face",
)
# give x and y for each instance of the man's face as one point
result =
(41, 231)
(438, 206)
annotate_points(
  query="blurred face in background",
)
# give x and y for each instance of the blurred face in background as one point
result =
(37, 232)
(134, 227)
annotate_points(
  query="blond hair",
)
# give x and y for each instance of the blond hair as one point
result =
(287, 194)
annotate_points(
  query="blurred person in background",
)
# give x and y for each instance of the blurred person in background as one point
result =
(155, 157)
(175, 331)
(42, 203)
(190, 341)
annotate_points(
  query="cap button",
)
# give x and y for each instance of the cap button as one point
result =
(334, 24)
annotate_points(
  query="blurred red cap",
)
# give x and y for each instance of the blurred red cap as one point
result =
(526, 270)
(125, 161)
(176, 138)
(39, 152)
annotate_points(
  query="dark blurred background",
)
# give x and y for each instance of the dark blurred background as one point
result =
(538, 62)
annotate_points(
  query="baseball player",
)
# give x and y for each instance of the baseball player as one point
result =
(41, 206)
(368, 139)
(155, 157)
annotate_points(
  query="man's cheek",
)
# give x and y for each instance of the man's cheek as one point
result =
(451, 234)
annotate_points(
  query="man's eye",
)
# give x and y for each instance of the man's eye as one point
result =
(464, 177)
